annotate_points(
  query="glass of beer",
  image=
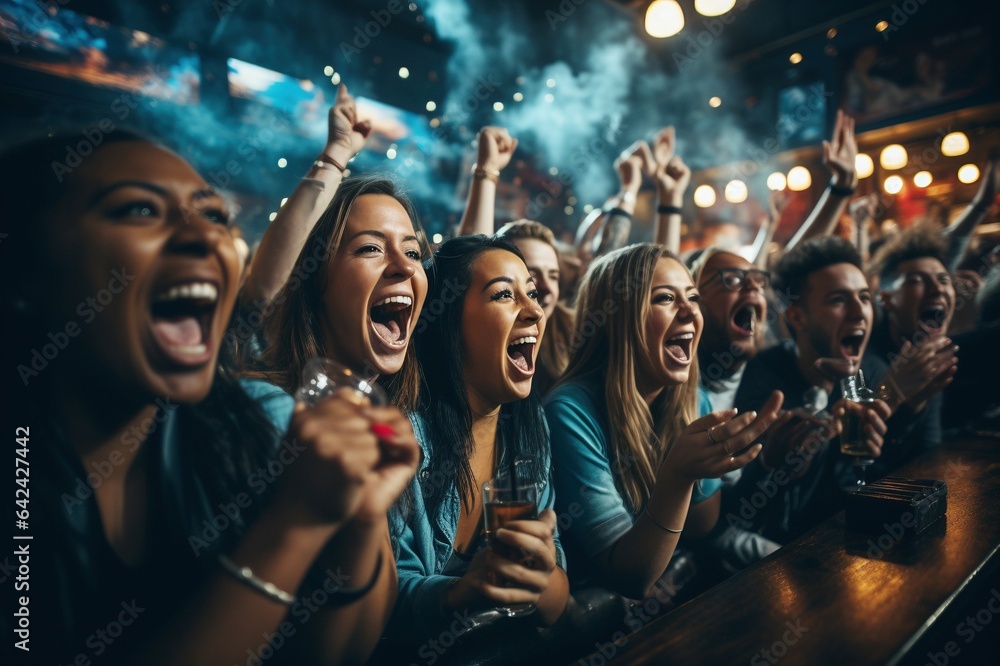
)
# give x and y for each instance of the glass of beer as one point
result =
(504, 501)
(852, 436)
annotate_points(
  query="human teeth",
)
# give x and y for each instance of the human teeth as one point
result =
(524, 341)
(200, 290)
(406, 300)
(682, 336)
(189, 349)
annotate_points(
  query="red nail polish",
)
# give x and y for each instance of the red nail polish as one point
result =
(381, 430)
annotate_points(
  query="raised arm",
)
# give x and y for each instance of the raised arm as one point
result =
(672, 177)
(776, 200)
(619, 209)
(496, 147)
(838, 155)
(959, 233)
(285, 237)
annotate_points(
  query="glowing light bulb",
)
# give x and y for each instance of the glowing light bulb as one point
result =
(795, 58)
(431, 106)
(704, 196)
(715, 102)
(923, 178)
(664, 18)
(736, 191)
(864, 165)
(968, 173)
(713, 7)
(893, 185)
(893, 157)
(498, 106)
(328, 71)
(799, 179)
(776, 181)
(437, 238)
(404, 73)
(518, 97)
(955, 144)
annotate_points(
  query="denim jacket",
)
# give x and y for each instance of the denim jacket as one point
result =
(424, 547)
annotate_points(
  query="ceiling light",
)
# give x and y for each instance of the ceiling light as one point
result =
(664, 18)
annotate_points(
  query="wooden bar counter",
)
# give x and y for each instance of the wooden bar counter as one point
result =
(835, 596)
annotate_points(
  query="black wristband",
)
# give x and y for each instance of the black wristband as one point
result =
(664, 209)
(840, 191)
(619, 211)
(341, 596)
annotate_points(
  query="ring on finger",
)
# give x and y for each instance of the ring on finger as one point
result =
(711, 436)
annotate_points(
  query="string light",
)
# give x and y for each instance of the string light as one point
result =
(704, 196)
(799, 179)
(664, 18)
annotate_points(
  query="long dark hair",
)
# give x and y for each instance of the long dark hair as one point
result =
(226, 436)
(444, 404)
(294, 326)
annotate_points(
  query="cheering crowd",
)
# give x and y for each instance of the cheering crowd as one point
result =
(665, 406)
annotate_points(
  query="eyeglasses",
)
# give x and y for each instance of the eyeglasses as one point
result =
(734, 279)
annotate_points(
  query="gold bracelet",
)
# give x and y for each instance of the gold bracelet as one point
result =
(489, 174)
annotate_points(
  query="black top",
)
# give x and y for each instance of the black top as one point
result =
(84, 599)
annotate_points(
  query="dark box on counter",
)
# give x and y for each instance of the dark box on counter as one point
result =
(913, 503)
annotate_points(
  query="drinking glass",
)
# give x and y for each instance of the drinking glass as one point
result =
(323, 377)
(852, 437)
(504, 501)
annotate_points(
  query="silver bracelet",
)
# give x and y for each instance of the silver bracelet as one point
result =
(245, 575)
(645, 510)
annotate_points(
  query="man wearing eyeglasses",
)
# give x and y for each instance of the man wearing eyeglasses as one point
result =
(735, 312)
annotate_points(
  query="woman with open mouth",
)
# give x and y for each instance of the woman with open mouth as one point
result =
(170, 524)
(627, 444)
(477, 343)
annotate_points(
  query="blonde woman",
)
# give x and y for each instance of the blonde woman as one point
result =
(632, 461)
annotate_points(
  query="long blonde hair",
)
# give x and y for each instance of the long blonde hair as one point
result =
(611, 310)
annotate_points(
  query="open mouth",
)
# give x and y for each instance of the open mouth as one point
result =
(850, 344)
(679, 348)
(744, 322)
(521, 354)
(932, 318)
(182, 321)
(390, 319)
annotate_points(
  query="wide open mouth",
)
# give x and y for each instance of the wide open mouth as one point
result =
(932, 318)
(745, 320)
(391, 319)
(679, 347)
(181, 318)
(521, 353)
(850, 344)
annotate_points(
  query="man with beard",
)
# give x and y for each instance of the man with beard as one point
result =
(792, 484)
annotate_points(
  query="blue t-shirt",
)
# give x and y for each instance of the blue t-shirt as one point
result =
(426, 560)
(592, 514)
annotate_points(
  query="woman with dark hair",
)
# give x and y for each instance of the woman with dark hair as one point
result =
(477, 344)
(163, 502)
(627, 442)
